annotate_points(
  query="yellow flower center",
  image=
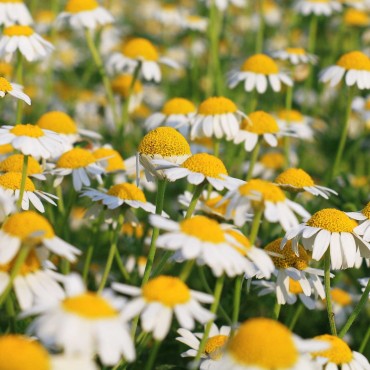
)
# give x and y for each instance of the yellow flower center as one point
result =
(297, 51)
(90, 305)
(178, 106)
(260, 123)
(12, 180)
(168, 290)
(366, 210)
(139, 48)
(30, 265)
(295, 177)
(127, 191)
(268, 190)
(206, 164)
(18, 31)
(6, 149)
(217, 105)
(19, 352)
(260, 63)
(114, 159)
(295, 287)
(6, 69)
(5, 85)
(122, 84)
(289, 258)
(203, 228)
(264, 343)
(332, 220)
(273, 160)
(165, 142)
(354, 60)
(76, 6)
(45, 16)
(341, 297)
(290, 115)
(14, 163)
(355, 17)
(27, 130)
(241, 239)
(212, 203)
(59, 122)
(76, 158)
(214, 346)
(339, 353)
(130, 230)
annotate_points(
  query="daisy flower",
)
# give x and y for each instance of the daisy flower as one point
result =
(318, 7)
(176, 113)
(140, 50)
(216, 117)
(7, 204)
(268, 166)
(223, 4)
(213, 348)
(339, 355)
(15, 90)
(266, 344)
(297, 180)
(25, 40)
(330, 228)
(121, 86)
(159, 299)
(295, 56)
(195, 23)
(136, 263)
(110, 159)
(162, 143)
(353, 67)
(168, 15)
(356, 18)
(295, 122)
(363, 217)
(14, 12)
(14, 163)
(32, 228)
(84, 323)
(32, 140)
(260, 193)
(257, 72)
(85, 14)
(80, 163)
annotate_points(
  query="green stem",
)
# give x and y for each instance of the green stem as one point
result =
(296, 316)
(312, 34)
(153, 355)
(121, 266)
(253, 159)
(197, 193)
(255, 225)
(162, 262)
(19, 77)
(364, 299)
(261, 28)
(288, 107)
(365, 341)
(9, 305)
(236, 303)
(329, 307)
(276, 312)
(23, 180)
(186, 271)
(60, 199)
(90, 249)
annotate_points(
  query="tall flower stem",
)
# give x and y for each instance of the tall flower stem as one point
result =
(288, 107)
(153, 355)
(185, 273)
(329, 306)
(296, 316)
(253, 159)
(23, 180)
(261, 28)
(365, 341)
(276, 313)
(194, 200)
(312, 34)
(19, 79)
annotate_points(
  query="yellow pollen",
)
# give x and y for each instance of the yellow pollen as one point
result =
(212, 204)
(217, 105)
(114, 160)
(165, 142)
(341, 297)
(263, 343)
(6, 149)
(139, 48)
(5, 85)
(339, 353)
(366, 210)
(59, 122)
(178, 106)
(122, 84)
(90, 305)
(289, 258)
(240, 239)
(168, 290)
(354, 60)
(260, 123)
(12, 180)
(14, 163)
(260, 63)
(355, 17)
(27, 130)
(127, 191)
(295, 287)
(19, 352)
(273, 160)
(290, 115)
(332, 220)
(215, 345)
(76, 158)
(18, 31)
(296, 178)
(206, 164)
(76, 6)
(269, 191)
(30, 265)
(297, 51)
(203, 228)
(28, 225)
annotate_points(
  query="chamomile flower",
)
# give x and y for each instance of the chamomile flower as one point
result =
(356, 18)
(318, 7)
(85, 14)
(223, 4)
(295, 122)
(14, 163)
(32, 140)
(257, 72)
(265, 344)
(15, 90)
(111, 160)
(29, 43)
(260, 193)
(195, 23)
(353, 67)
(216, 117)
(81, 164)
(159, 299)
(269, 165)
(363, 217)
(121, 86)
(214, 345)
(12, 12)
(330, 228)
(136, 263)
(297, 180)
(140, 50)
(7, 204)
(339, 355)
(32, 228)
(84, 323)
(295, 56)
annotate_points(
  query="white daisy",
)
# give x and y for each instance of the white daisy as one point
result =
(15, 90)
(363, 217)
(159, 299)
(295, 56)
(7, 204)
(318, 7)
(110, 159)
(223, 4)
(12, 12)
(295, 122)
(168, 15)
(195, 23)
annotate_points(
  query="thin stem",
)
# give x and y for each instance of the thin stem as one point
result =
(261, 28)
(288, 107)
(186, 271)
(19, 77)
(194, 200)
(365, 341)
(255, 225)
(60, 199)
(253, 159)
(23, 181)
(296, 316)
(90, 250)
(236, 302)
(153, 355)
(312, 34)
(162, 262)
(9, 305)
(276, 313)
(121, 266)
(329, 307)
